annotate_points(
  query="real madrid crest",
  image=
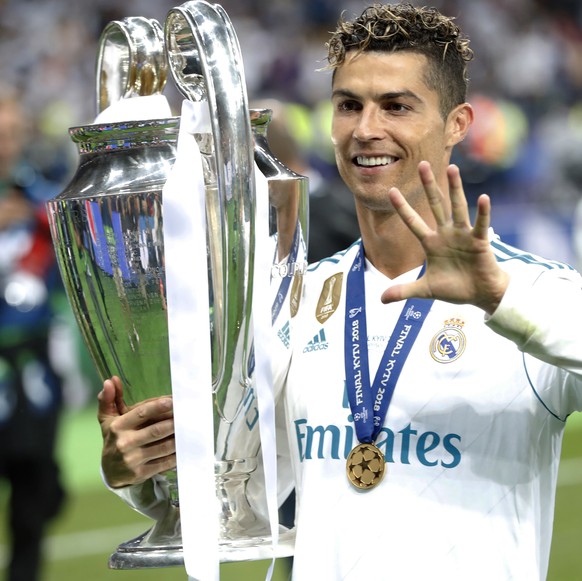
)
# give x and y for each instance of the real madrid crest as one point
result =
(449, 343)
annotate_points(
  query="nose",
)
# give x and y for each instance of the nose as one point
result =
(369, 125)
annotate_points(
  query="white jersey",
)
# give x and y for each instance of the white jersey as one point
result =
(471, 438)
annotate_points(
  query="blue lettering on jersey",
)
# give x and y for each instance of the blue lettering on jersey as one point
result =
(405, 446)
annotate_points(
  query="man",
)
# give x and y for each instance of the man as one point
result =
(433, 368)
(30, 388)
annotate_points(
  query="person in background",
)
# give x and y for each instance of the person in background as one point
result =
(30, 389)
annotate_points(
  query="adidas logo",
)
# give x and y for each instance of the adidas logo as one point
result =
(284, 334)
(318, 343)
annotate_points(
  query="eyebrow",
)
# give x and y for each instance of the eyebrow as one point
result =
(382, 97)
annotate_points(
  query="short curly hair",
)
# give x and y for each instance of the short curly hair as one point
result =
(403, 27)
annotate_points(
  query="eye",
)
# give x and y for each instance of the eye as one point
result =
(347, 105)
(395, 107)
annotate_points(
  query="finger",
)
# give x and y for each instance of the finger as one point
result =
(119, 400)
(161, 449)
(138, 446)
(483, 218)
(160, 465)
(150, 443)
(401, 292)
(107, 407)
(412, 220)
(459, 206)
(153, 468)
(433, 193)
(158, 438)
(131, 456)
(147, 413)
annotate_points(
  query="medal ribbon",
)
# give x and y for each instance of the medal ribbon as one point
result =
(369, 402)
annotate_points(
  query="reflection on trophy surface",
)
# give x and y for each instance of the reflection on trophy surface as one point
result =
(107, 227)
(131, 60)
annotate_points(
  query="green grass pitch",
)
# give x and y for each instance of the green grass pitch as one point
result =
(94, 521)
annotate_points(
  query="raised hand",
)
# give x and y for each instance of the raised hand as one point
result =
(138, 442)
(460, 265)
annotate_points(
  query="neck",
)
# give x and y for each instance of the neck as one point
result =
(389, 244)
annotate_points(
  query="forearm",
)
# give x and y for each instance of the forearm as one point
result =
(541, 312)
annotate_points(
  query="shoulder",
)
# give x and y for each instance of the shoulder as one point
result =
(513, 259)
(339, 262)
(324, 282)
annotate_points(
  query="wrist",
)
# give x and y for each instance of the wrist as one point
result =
(498, 289)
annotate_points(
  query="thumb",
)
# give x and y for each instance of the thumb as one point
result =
(107, 402)
(401, 292)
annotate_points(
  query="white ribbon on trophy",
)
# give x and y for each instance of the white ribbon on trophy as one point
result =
(189, 339)
(190, 352)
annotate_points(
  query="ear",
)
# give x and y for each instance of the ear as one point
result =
(458, 123)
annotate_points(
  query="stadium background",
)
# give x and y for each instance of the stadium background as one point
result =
(525, 150)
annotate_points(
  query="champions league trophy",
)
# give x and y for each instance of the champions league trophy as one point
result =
(107, 231)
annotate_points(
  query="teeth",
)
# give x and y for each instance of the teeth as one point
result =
(373, 161)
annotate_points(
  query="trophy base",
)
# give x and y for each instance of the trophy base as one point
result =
(244, 535)
(141, 553)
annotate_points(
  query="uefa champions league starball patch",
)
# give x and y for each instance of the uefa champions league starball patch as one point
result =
(449, 343)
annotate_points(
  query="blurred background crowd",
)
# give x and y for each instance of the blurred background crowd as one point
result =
(526, 85)
(525, 150)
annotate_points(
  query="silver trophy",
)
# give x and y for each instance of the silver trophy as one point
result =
(131, 60)
(107, 231)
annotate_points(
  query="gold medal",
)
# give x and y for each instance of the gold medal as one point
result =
(365, 466)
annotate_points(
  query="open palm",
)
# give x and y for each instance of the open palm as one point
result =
(460, 265)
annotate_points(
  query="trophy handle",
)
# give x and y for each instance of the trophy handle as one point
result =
(206, 63)
(131, 60)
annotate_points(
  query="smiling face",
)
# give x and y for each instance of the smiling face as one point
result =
(385, 121)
